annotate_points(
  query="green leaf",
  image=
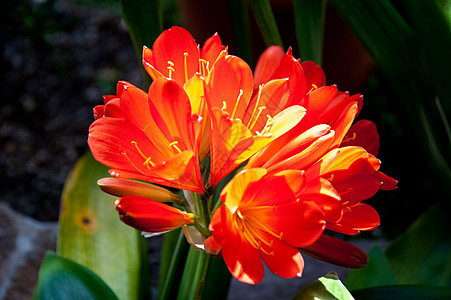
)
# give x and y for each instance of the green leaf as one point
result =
(194, 275)
(327, 287)
(397, 50)
(173, 255)
(309, 18)
(144, 22)
(422, 254)
(91, 234)
(266, 22)
(217, 280)
(403, 292)
(60, 278)
(241, 30)
(377, 272)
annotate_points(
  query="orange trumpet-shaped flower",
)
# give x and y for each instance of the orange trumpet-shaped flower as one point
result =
(176, 55)
(266, 217)
(243, 120)
(151, 216)
(153, 140)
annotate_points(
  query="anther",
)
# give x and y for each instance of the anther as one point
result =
(236, 103)
(224, 105)
(347, 139)
(314, 86)
(170, 67)
(239, 214)
(174, 144)
(147, 162)
(280, 236)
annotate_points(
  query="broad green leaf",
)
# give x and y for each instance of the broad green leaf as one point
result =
(309, 18)
(173, 255)
(194, 275)
(397, 49)
(60, 278)
(403, 292)
(240, 22)
(217, 281)
(144, 22)
(266, 22)
(378, 272)
(328, 287)
(91, 234)
(422, 254)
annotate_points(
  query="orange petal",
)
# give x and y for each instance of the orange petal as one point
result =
(230, 76)
(211, 49)
(285, 261)
(267, 63)
(170, 108)
(151, 216)
(246, 264)
(149, 63)
(364, 134)
(314, 74)
(171, 46)
(355, 219)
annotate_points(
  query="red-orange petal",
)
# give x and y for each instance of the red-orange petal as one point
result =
(357, 218)
(314, 74)
(267, 63)
(285, 261)
(364, 134)
(172, 45)
(211, 49)
(337, 252)
(149, 215)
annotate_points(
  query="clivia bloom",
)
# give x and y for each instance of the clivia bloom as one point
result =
(266, 217)
(308, 168)
(152, 139)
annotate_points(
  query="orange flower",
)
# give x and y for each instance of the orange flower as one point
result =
(176, 55)
(267, 217)
(153, 141)
(151, 216)
(243, 120)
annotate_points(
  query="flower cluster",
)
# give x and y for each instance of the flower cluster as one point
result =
(280, 142)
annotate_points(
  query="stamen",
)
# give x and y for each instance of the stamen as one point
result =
(185, 65)
(203, 66)
(139, 150)
(224, 105)
(331, 177)
(314, 86)
(350, 190)
(265, 132)
(236, 103)
(240, 214)
(147, 160)
(260, 87)
(131, 162)
(347, 139)
(174, 144)
(170, 67)
(260, 109)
